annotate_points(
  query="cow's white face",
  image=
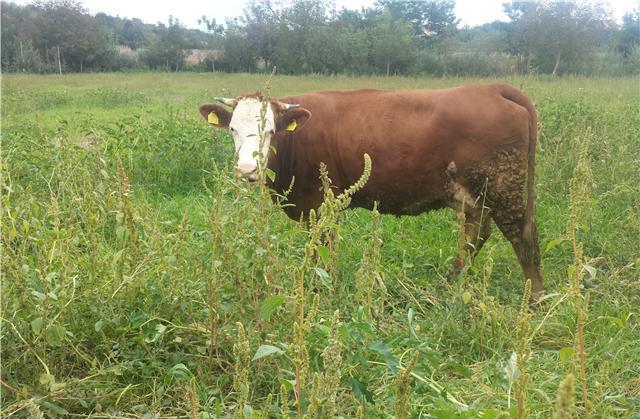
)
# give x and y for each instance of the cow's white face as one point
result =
(252, 128)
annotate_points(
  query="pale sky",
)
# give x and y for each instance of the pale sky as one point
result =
(470, 12)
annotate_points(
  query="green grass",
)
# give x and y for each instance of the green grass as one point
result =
(129, 255)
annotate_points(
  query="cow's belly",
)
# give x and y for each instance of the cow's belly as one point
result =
(414, 207)
(404, 193)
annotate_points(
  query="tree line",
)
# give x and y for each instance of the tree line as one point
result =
(310, 36)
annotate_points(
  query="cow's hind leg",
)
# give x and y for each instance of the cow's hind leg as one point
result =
(511, 222)
(508, 212)
(475, 229)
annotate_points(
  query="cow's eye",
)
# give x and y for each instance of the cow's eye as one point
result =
(232, 129)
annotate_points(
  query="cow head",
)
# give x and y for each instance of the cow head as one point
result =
(246, 119)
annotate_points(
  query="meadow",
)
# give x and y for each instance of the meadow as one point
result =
(140, 279)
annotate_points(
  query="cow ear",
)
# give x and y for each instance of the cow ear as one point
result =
(292, 120)
(216, 115)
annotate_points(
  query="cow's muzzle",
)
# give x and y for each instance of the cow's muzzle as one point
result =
(247, 172)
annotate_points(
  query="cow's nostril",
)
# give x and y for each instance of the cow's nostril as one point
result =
(247, 172)
(246, 169)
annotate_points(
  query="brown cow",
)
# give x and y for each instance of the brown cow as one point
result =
(470, 148)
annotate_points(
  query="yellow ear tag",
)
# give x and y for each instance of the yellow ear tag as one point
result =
(213, 118)
(292, 125)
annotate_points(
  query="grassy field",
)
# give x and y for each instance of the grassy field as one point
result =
(139, 279)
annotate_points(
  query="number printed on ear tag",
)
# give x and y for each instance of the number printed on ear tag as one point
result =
(292, 125)
(213, 118)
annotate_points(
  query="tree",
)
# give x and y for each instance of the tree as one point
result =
(238, 52)
(392, 45)
(628, 38)
(302, 42)
(434, 18)
(211, 25)
(310, 36)
(552, 32)
(262, 19)
(168, 49)
(215, 41)
(133, 34)
(68, 35)
(307, 20)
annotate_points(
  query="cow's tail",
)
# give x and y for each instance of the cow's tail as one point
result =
(515, 95)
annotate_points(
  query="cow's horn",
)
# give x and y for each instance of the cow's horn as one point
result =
(287, 106)
(227, 101)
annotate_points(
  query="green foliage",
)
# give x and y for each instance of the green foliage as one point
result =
(556, 32)
(33, 34)
(392, 45)
(311, 37)
(130, 254)
(628, 38)
(167, 50)
(435, 17)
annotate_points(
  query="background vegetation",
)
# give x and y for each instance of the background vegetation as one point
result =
(140, 279)
(312, 37)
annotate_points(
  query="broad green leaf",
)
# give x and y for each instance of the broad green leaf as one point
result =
(288, 384)
(570, 271)
(12, 233)
(553, 244)
(36, 325)
(55, 334)
(323, 329)
(117, 256)
(592, 271)
(360, 390)
(270, 174)
(121, 232)
(566, 354)
(511, 373)
(160, 330)
(466, 297)
(37, 294)
(266, 350)
(46, 379)
(388, 357)
(52, 407)
(489, 413)
(269, 305)
(180, 371)
(324, 276)
(461, 368)
(618, 321)
(98, 326)
(510, 370)
(323, 251)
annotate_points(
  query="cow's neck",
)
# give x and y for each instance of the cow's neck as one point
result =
(281, 162)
